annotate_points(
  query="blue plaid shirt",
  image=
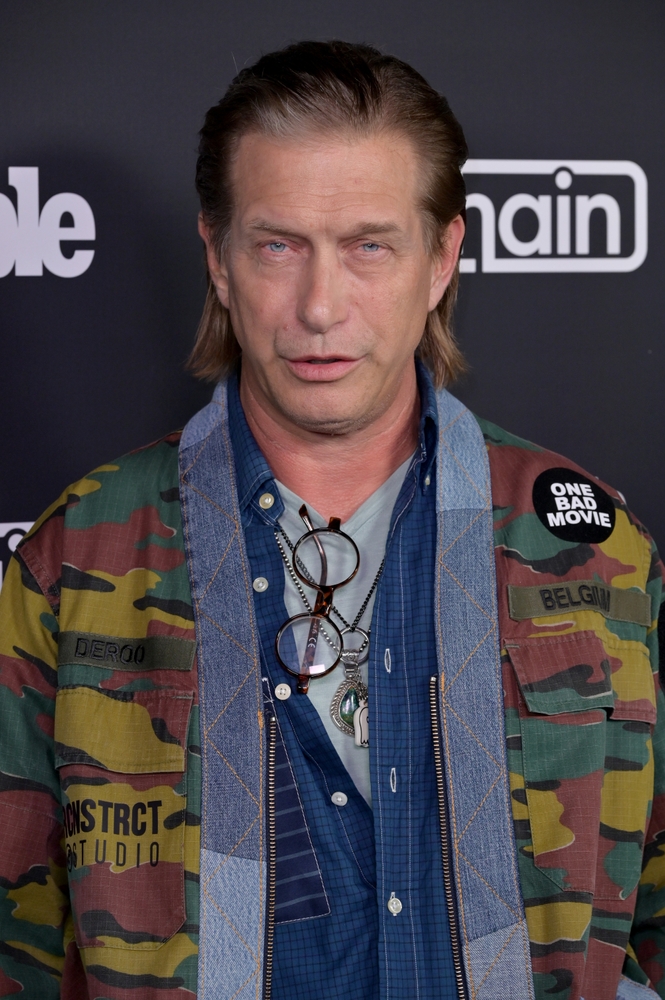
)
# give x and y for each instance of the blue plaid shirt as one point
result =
(338, 866)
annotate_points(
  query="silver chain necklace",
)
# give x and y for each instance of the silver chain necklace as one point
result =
(348, 708)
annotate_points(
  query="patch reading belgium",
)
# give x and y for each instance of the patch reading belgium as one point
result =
(573, 507)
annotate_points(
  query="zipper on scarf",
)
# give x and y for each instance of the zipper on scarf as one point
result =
(272, 857)
(445, 839)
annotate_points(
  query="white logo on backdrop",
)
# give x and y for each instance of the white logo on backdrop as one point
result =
(30, 240)
(11, 534)
(553, 249)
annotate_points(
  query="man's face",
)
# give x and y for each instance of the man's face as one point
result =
(327, 276)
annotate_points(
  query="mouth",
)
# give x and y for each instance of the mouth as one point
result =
(311, 368)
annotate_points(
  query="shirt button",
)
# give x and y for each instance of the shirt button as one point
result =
(395, 905)
(260, 584)
(266, 500)
(427, 480)
(283, 691)
(339, 798)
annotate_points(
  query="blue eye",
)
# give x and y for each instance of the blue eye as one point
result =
(277, 247)
(371, 247)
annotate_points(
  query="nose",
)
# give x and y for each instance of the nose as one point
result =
(323, 299)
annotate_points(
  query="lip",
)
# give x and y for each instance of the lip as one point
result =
(328, 369)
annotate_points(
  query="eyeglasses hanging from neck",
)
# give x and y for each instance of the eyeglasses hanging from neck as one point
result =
(310, 644)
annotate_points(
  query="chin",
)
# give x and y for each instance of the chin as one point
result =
(321, 416)
(321, 422)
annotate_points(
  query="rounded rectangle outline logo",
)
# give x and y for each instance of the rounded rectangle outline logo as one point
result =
(491, 264)
(7, 529)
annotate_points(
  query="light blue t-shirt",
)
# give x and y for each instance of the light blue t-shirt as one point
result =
(368, 527)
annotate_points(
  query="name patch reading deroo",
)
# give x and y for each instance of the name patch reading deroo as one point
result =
(152, 652)
(573, 507)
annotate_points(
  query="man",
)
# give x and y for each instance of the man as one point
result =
(342, 692)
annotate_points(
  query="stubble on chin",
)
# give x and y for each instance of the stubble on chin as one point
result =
(333, 418)
(319, 419)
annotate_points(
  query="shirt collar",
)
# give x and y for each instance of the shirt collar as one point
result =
(429, 422)
(253, 472)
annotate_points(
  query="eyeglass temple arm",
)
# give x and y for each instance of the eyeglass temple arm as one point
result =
(309, 653)
(334, 524)
(304, 513)
(323, 599)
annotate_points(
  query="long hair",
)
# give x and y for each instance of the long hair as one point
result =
(332, 87)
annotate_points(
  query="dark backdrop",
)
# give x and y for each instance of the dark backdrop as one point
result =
(105, 97)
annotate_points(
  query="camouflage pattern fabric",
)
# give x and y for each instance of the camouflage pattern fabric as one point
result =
(580, 706)
(99, 756)
(100, 765)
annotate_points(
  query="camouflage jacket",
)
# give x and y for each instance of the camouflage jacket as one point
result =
(100, 742)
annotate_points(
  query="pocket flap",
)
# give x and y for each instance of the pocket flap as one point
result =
(568, 673)
(133, 732)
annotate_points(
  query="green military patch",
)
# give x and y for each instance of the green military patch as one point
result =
(154, 652)
(580, 595)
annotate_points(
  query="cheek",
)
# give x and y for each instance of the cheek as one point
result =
(397, 309)
(259, 308)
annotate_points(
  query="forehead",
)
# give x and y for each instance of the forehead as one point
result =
(324, 177)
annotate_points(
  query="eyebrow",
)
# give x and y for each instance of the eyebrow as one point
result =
(362, 229)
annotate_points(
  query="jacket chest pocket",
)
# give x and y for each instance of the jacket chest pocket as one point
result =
(586, 758)
(121, 756)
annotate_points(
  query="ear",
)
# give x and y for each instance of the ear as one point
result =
(216, 267)
(443, 263)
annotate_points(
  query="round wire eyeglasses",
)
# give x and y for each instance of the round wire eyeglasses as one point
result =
(325, 559)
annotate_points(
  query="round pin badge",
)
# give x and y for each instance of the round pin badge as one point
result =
(573, 507)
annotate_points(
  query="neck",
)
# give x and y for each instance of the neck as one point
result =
(336, 474)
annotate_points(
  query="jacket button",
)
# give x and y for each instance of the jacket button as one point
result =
(260, 584)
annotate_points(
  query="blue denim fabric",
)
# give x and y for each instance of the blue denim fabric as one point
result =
(491, 913)
(630, 990)
(233, 868)
(361, 951)
(494, 940)
(299, 889)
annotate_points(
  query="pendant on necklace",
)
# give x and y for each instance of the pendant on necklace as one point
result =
(360, 725)
(350, 699)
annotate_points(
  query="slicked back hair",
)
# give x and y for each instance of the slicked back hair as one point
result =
(312, 88)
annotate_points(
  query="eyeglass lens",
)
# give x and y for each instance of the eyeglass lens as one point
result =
(309, 645)
(327, 558)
